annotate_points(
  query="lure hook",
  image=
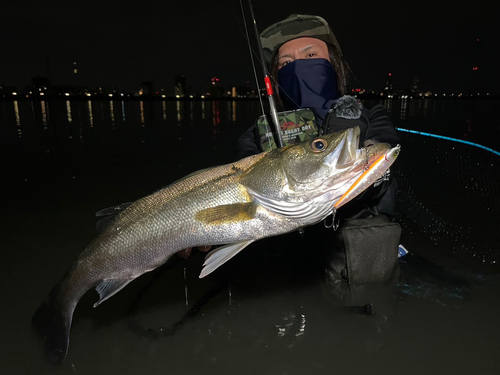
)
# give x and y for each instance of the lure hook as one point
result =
(332, 224)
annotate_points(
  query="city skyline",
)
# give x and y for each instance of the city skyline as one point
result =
(42, 88)
(449, 49)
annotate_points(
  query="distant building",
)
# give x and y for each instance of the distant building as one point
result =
(75, 73)
(215, 90)
(180, 86)
(245, 92)
(40, 83)
(414, 86)
(147, 88)
(388, 89)
(8, 91)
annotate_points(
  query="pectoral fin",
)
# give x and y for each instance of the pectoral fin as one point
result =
(108, 288)
(221, 255)
(227, 214)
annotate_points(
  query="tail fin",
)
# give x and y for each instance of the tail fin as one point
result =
(53, 325)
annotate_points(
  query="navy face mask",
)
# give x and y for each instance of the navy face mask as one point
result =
(308, 83)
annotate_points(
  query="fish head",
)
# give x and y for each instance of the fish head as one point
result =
(310, 164)
(327, 164)
(306, 179)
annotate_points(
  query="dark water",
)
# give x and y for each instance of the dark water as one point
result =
(267, 311)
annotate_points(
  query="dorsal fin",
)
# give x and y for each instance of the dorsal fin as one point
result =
(108, 214)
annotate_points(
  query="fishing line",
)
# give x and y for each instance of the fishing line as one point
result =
(450, 139)
(269, 87)
(251, 51)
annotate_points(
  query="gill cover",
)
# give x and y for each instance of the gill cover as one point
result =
(308, 166)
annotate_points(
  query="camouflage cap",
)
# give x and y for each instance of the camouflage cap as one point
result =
(295, 26)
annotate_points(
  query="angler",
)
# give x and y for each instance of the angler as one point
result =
(310, 75)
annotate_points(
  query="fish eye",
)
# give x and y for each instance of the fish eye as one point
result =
(319, 145)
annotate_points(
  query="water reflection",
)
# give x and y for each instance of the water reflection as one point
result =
(18, 119)
(112, 113)
(387, 104)
(91, 116)
(45, 110)
(474, 118)
(68, 111)
(292, 325)
(178, 106)
(141, 106)
(215, 119)
(404, 103)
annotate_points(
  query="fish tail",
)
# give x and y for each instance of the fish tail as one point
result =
(53, 324)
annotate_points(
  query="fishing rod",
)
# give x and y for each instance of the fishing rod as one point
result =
(267, 79)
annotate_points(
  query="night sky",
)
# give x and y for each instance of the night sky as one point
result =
(122, 45)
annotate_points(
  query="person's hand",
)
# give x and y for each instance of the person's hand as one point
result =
(184, 254)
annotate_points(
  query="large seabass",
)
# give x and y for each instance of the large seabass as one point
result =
(235, 204)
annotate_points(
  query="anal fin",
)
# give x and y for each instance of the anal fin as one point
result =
(109, 287)
(221, 255)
